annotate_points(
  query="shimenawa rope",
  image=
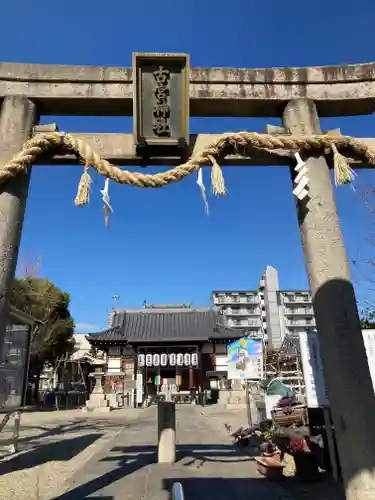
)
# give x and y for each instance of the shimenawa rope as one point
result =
(239, 143)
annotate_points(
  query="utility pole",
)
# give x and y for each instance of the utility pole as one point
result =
(115, 299)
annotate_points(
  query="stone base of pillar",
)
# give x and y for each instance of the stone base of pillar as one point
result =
(103, 409)
(98, 402)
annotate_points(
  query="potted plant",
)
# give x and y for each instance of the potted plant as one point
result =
(269, 464)
(305, 460)
(271, 450)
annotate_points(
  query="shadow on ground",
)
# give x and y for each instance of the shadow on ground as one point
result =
(201, 452)
(56, 451)
(125, 466)
(133, 458)
(78, 425)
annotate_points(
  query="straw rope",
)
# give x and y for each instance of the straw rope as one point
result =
(241, 143)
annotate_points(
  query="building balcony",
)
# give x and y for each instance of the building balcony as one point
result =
(241, 312)
(221, 301)
(258, 335)
(244, 323)
(297, 299)
(298, 311)
(300, 324)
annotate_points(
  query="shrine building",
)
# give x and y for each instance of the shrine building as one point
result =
(162, 348)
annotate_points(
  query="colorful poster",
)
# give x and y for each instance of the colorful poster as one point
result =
(245, 359)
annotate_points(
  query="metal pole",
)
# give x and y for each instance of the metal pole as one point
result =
(248, 406)
(177, 492)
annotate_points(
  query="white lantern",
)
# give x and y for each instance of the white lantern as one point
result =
(148, 359)
(180, 359)
(194, 359)
(141, 360)
(187, 359)
(172, 359)
(163, 359)
(156, 360)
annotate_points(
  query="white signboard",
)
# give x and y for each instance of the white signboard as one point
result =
(369, 341)
(312, 368)
(221, 363)
(139, 388)
(114, 365)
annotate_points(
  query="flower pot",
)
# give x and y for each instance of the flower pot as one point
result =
(306, 466)
(275, 455)
(270, 467)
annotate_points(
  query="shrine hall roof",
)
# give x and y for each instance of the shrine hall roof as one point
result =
(164, 325)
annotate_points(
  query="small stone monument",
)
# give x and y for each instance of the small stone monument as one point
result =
(98, 400)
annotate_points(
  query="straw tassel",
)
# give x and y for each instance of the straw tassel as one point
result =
(343, 172)
(217, 178)
(203, 190)
(84, 188)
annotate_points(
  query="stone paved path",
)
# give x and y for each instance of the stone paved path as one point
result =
(208, 466)
(53, 446)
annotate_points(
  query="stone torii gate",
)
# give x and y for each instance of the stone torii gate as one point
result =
(299, 97)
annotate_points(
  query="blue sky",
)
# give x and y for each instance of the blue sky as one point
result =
(161, 247)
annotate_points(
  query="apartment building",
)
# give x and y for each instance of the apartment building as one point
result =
(267, 312)
(240, 309)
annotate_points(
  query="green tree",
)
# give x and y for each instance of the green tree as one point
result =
(367, 319)
(53, 335)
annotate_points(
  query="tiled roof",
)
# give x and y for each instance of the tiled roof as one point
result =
(164, 325)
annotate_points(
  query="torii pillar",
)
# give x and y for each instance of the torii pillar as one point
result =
(17, 117)
(346, 370)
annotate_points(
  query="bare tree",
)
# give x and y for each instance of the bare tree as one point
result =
(31, 267)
